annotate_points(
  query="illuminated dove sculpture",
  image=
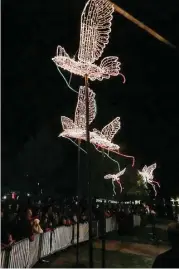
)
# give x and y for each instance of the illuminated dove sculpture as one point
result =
(116, 178)
(77, 129)
(147, 176)
(96, 23)
(103, 139)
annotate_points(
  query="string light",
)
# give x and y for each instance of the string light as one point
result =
(67, 83)
(147, 176)
(109, 157)
(77, 145)
(96, 21)
(77, 129)
(116, 178)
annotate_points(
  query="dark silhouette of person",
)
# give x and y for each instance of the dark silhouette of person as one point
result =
(170, 258)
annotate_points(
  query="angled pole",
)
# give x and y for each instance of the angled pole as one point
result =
(141, 25)
(88, 175)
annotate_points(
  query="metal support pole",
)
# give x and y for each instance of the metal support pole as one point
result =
(103, 221)
(88, 176)
(78, 206)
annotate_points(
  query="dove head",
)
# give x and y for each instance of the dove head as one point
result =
(74, 133)
(115, 147)
(62, 134)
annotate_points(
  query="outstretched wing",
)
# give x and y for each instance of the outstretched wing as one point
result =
(108, 176)
(111, 129)
(121, 172)
(67, 123)
(95, 29)
(151, 168)
(144, 169)
(80, 113)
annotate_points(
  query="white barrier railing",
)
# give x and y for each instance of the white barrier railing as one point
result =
(33, 251)
(45, 244)
(61, 238)
(25, 254)
(3, 258)
(19, 255)
(83, 233)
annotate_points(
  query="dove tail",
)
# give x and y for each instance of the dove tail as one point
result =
(109, 157)
(124, 78)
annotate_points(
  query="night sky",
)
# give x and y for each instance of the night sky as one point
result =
(34, 95)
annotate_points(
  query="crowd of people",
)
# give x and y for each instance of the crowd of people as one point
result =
(19, 220)
(24, 220)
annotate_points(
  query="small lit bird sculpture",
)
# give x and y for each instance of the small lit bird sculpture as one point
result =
(103, 139)
(116, 178)
(147, 176)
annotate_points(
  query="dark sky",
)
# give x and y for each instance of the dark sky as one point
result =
(34, 95)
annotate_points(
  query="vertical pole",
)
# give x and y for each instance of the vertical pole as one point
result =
(88, 176)
(103, 220)
(78, 206)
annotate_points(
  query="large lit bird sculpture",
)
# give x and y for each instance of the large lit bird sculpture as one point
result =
(96, 23)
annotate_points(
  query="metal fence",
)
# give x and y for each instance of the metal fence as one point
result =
(25, 254)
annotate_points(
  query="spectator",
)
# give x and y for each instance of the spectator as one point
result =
(56, 218)
(26, 225)
(75, 220)
(84, 218)
(6, 236)
(36, 227)
(46, 224)
(170, 258)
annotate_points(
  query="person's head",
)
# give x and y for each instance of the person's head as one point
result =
(36, 222)
(29, 213)
(173, 234)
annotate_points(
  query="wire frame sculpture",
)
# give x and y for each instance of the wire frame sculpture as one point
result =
(77, 129)
(115, 178)
(103, 139)
(147, 176)
(96, 24)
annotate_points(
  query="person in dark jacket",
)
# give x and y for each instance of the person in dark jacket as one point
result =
(26, 225)
(170, 258)
(6, 233)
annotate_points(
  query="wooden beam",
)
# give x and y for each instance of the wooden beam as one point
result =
(141, 25)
